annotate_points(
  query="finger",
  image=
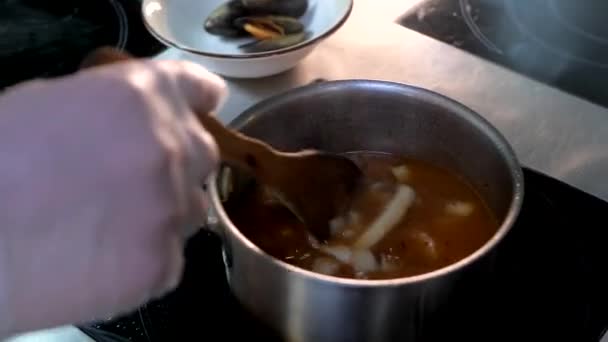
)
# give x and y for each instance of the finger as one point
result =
(199, 202)
(202, 158)
(202, 151)
(191, 87)
(203, 91)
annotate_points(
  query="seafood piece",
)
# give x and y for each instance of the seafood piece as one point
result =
(459, 208)
(269, 27)
(401, 173)
(274, 43)
(221, 21)
(292, 8)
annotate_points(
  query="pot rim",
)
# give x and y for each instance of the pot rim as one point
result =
(492, 132)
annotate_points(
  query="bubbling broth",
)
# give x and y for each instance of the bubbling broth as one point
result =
(436, 219)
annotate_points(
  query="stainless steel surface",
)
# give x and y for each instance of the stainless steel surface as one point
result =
(551, 131)
(344, 116)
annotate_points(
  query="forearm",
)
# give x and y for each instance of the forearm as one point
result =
(6, 312)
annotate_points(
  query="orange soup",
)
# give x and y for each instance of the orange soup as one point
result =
(436, 218)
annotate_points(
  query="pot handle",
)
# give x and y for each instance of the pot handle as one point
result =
(211, 221)
(212, 225)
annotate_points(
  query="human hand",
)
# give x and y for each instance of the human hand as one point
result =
(99, 188)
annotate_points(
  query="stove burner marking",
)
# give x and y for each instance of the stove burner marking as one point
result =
(572, 27)
(123, 22)
(511, 8)
(465, 10)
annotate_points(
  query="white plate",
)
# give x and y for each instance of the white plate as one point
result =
(180, 24)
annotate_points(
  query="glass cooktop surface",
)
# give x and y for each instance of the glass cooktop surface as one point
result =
(562, 43)
(42, 38)
(548, 283)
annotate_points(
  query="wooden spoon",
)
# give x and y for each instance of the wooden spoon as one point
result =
(316, 186)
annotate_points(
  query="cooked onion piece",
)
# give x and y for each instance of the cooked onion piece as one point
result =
(363, 261)
(390, 216)
(325, 266)
(341, 253)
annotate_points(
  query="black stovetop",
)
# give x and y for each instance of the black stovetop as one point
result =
(46, 38)
(549, 283)
(562, 43)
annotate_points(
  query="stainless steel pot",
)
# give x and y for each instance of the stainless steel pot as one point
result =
(352, 115)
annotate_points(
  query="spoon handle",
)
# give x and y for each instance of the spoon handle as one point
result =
(251, 154)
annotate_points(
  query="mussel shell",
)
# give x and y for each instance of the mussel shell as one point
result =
(220, 21)
(289, 24)
(291, 8)
(275, 43)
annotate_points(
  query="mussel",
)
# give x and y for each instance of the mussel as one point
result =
(273, 23)
(291, 8)
(221, 21)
